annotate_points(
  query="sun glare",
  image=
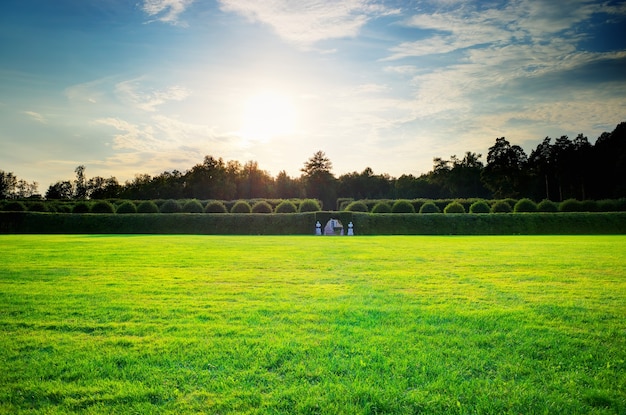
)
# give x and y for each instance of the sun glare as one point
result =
(267, 115)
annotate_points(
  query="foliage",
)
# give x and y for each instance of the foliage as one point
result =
(81, 207)
(102, 206)
(215, 206)
(309, 205)
(429, 207)
(525, 206)
(547, 206)
(571, 205)
(114, 325)
(127, 207)
(241, 206)
(14, 206)
(402, 206)
(501, 206)
(454, 207)
(381, 207)
(170, 206)
(147, 206)
(261, 207)
(480, 206)
(192, 206)
(357, 206)
(286, 206)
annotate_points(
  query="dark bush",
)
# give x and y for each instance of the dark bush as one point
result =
(147, 206)
(429, 207)
(170, 206)
(501, 206)
(454, 207)
(480, 206)
(357, 207)
(241, 206)
(81, 207)
(590, 206)
(192, 206)
(547, 206)
(14, 206)
(571, 205)
(402, 206)
(309, 205)
(37, 207)
(525, 206)
(381, 207)
(102, 206)
(215, 206)
(262, 207)
(286, 206)
(127, 207)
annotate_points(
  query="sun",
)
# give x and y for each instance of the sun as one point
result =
(267, 115)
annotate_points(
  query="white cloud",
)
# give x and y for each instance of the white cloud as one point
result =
(36, 116)
(305, 22)
(167, 11)
(131, 93)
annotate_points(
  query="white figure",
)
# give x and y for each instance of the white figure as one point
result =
(318, 228)
(350, 229)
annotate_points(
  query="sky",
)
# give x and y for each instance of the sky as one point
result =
(127, 87)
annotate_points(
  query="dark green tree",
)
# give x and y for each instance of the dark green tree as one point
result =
(504, 174)
(319, 182)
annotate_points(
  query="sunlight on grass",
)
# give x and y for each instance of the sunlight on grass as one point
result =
(222, 324)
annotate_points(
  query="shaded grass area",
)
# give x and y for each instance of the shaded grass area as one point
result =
(278, 324)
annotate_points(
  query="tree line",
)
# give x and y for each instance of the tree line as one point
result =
(555, 170)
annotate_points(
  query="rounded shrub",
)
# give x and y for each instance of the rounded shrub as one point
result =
(525, 206)
(309, 205)
(357, 207)
(381, 207)
(147, 206)
(454, 207)
(480, 206)
(241, 206)
(262, 207)
(286, 206)
(571, 205)
(547, 206)
(170, 206)
(127, 207)
(429, 207)
(37, 207)
(402, 206)
(193, 206)
(590, 206)
(102, 206)
(215, 206)
(501, 206)
(14, 206)
(81, 207)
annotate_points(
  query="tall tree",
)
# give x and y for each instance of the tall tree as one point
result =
(504, 174)
(320, 183)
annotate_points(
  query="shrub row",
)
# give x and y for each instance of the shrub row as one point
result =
(304, 223)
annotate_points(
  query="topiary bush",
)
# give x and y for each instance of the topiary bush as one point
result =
(37, 207)
(381, 207)
(525, 206)
(547, 206)
(480, 206)
(571, 205)
(454, 207)
(429, 207)
(309, 205)
(286, 206)
(501, 206)
(147, 206)
(170, 206)
(127, 207)
(262, 207)
(193, 206)
(81, 207)
(215, 206)
(102, 206)
(14, 206)
(402, 206)
(357, 207)
(241, 206)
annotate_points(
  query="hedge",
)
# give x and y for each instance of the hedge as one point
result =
(304, 223)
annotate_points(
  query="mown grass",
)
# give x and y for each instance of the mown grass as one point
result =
(277, 324)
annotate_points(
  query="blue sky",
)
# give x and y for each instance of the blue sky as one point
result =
(129, 87)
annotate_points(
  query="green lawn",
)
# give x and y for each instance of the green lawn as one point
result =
(304, 324)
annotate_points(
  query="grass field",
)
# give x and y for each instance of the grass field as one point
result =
(313, 325)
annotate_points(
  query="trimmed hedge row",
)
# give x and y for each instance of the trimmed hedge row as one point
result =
(304, 223)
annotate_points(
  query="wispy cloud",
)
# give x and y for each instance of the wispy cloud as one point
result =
(36, 116)
(132, 93)
(166, 11)
(306, 22)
